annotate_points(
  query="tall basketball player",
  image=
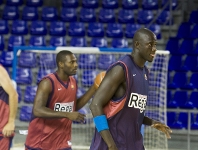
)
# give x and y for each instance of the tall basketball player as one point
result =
(119, 104)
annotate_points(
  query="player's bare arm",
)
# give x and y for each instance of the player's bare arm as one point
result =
(40, 101)
(85, 98)
(7, 85)
(158, 125)
(111, 82)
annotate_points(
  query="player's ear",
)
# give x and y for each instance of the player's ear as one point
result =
(137, 44)
(60, 64)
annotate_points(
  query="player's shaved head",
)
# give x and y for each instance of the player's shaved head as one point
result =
(142, 35)
(61, 56)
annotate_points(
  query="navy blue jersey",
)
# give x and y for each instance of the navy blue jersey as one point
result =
(125, 115)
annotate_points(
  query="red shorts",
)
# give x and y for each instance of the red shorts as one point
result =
(5, 143)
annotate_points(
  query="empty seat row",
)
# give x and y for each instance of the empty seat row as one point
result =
(181, 99)
(61, 41)
(180, 121)
(76, 29)
(181, 81)
(181, 47)
(189, 64)
(32, 3)
(85, 15)
(114, 4)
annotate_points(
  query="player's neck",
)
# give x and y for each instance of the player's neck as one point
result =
(138, 60)
(62, 76)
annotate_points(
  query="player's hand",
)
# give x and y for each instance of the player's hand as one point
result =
(8, 130)
(76, 116)
(163, 128)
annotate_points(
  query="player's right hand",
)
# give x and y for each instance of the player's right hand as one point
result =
(76, 116)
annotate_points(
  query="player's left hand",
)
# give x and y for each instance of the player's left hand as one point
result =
(8, 129)
(163, 128)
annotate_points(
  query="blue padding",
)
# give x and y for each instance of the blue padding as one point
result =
(101, 123)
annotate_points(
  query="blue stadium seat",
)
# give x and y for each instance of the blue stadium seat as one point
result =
(131, 29)
(6, 58)
(87, 15)
(1, 42)
(193, 80)
(150, 4)
(105, 60)
(34, 3)
(176, 64)
(88, 77)
(95, 29)
(182, 100)
(193, 98)
(27, 59)
(49, 14)
(114, 30)
(57, 28)
(184, 30)
(37, 41)
(38, 28)
(30, 93)
(15, 41)
(106, 15)
(4, 29)
(193, 51)
(194, 125)
(144, 16)
(30, 13)
(19, 94)
(172, 120)
(47, 60)
(14, 2)
(76, 29)
(78, 42)
(87, 61)
(194, 32)
(110, 4)
(19, 27)
(90, 3)
(68, 15)
(173, 45)
(80, 92)
(180, 81)
(171, 103)
(186, 47)
(129, 4)
(191, 63)
(126, 16)
(57, 41)
(193, 17)
(157, 30)
(163, 18)
(70, 3)
(99, 42)
(119, 43)
(43, 72)
(174, 4)
(183, 118)
(25, 113)
(10, 13)
(23, 76)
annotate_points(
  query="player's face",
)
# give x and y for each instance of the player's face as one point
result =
(148, 47)
(70, 65)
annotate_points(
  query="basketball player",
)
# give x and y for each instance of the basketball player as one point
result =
(118, 106)
(8, 109)
(55, 107)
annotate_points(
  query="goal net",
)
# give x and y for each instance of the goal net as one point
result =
(32, 63)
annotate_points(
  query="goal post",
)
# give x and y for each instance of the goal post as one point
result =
(82, 134)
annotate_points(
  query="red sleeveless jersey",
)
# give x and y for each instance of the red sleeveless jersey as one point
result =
(54, 134)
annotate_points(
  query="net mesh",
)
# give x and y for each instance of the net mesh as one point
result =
(33, 65)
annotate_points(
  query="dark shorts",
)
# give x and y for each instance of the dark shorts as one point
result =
(5, 143)
(28, 148)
